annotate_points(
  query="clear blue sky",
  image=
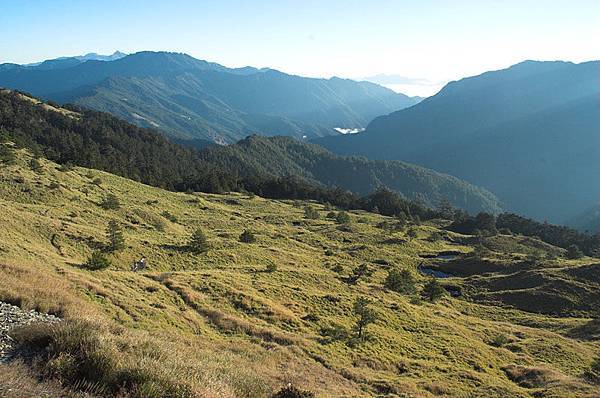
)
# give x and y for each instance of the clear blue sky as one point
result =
(436, 40)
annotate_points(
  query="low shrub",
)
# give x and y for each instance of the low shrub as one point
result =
(400, 281)
(433, 291)
(110, 202)
(97, 261)
(169, 216)
(343, 218)
(500, 340)
(311, 213)
(271, 268)
(247, 237)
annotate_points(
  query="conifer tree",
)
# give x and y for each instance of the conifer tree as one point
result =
(433, 291)
(198, 242)
(115, 236)
(365, 314)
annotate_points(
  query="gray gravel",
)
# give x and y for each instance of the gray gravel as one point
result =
(12, 316)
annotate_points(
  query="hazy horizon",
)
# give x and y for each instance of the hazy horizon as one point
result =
(427, 44)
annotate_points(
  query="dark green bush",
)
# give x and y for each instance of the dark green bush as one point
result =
(198, 242)
(573, 252)
(500, 340)
(343, 218)
(433, 291)
(400, 281)
(7, 156)
(593, 373)
(311, 213)
(271, 268)
(35, 165)
(169, 216)
(247, 237)
(97, 261)
(110, 202)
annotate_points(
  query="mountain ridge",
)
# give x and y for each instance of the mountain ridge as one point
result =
(283, 156)
(509, 131)
(99, 140)
(223, 103)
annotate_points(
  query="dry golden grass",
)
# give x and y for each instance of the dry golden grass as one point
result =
(218, 325)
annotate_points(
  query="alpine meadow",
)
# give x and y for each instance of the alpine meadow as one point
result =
(210, 199)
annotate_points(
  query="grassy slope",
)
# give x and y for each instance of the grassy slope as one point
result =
(227, 328)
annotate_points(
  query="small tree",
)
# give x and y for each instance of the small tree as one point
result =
(433, 291)
(35, 165)
(311, 213)
(593, 373)
(198, 242)
(402, 219)
(343, 218)
(400, 281)
(97, 261)
(573, 252)
(110, 202)
(169, 216)
(365, 314)
(445, 209)
(247, 237)
(412, 234)
(7, 156)
(271, 268)
(115, 237)
(359, 272)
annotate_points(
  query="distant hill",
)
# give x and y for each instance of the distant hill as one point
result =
(286, 156)
(528, 133)
(99, 140)
(190, 98)
(66, 62)
(588, 220)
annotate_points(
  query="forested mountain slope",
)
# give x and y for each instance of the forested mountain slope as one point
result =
(285, 156)
(528, 133)
(99, 140)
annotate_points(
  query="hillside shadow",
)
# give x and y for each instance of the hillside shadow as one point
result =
(589, 331)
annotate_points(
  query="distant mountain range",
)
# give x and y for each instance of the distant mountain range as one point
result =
(529, 133)
(63, 62)
(189, 98)
(588, 220)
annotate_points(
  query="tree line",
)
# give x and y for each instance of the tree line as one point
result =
(100, 141)
(557, 235)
